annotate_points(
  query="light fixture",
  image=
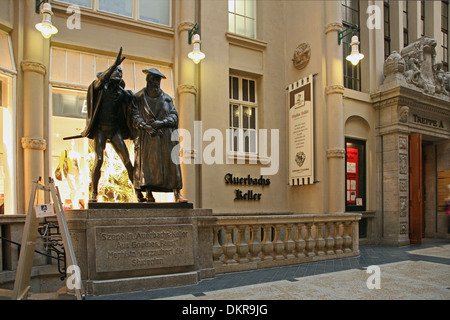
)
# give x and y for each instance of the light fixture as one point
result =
(355, 56)
(45, 27)
(194, 38)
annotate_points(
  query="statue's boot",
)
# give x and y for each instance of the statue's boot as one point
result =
(94, 197)
(140, 196)
(150, 197)
(179, 197)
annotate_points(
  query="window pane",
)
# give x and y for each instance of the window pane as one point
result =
(245, 89)
(250, 28)
(246, 141)
(69, 105)
(240, 25)
(252, 141)
(240, 7)
(122, 7)
(247, 114)
(231, 23)
(157, 11)
(250, 8)
(235, 88)
(252, 91)
(253, 118)
(236, 140)
(235, 123)
(84, 3)
(231, 5)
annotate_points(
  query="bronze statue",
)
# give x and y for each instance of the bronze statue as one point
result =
(108, 105)
(155, 120)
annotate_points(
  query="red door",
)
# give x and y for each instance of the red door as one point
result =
(415, 189)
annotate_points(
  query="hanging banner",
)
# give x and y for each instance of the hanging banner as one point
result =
(301, 132)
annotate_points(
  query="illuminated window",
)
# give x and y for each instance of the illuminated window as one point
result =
(243, 115)
(242, 17)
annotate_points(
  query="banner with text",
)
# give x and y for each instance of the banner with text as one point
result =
(301, 132)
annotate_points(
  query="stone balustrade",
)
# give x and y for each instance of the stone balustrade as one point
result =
(253, 242)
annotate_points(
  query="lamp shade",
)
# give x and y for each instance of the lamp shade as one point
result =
(196, 55)
(355, 56)
(46, 27)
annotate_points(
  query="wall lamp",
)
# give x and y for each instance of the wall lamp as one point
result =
(194, 38)
(355, 56)
(45, 27)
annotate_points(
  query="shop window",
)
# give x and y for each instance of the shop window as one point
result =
(355, 171)
(243, 115)
(242, 17)
(6, 146)
(71, 104)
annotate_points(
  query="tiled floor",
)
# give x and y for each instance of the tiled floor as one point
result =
(409, 272)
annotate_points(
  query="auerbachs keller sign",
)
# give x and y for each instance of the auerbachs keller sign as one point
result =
(247, 195)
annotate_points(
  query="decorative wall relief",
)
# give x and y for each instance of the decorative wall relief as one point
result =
(302, 55)
(416, 67)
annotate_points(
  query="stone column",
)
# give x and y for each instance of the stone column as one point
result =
(33, 72)
(187, 97)
(334, 101)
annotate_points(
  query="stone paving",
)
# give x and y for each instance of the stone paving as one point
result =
(406, 273)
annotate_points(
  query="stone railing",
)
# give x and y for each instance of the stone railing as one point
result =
(253, 242)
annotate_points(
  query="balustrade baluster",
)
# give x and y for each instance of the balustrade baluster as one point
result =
(289, 244)
(320, 241)
(278, 244)
(217, 247)
(310, 242)
(254, 244)
(229, 248)
(300, 244)
(329, 241)
(267, 245)
(338, 240)
(242, 245)
(347, 238)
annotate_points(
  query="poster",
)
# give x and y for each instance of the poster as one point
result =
(301, 132)
(352, 176)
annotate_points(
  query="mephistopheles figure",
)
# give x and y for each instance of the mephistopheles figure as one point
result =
(108, 105)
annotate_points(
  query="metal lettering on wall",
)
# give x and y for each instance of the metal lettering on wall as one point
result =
(127, 248)
(428, 122)
(249, 195)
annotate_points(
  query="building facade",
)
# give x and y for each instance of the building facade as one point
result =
(377, 143)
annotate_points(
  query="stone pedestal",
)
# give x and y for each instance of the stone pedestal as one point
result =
(134, 247)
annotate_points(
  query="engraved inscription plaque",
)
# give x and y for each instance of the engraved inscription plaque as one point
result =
(126, 248)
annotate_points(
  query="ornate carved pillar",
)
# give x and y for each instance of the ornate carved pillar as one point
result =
(187, 97)
(33, 73)
(334, 100)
